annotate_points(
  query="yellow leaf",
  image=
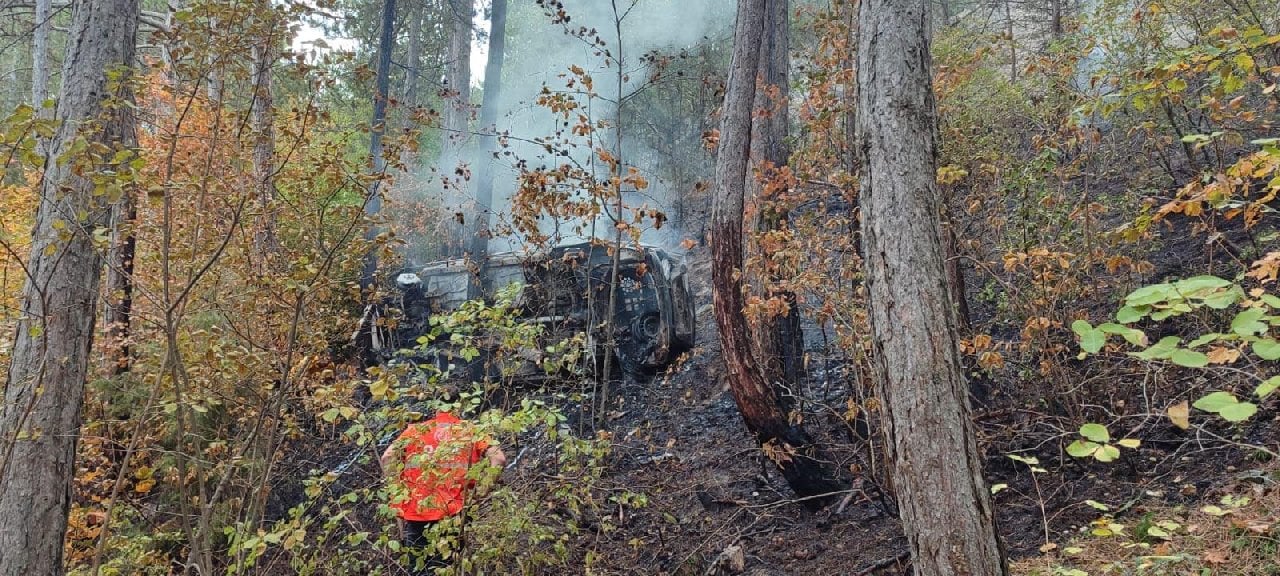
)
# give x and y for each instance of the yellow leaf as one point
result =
(144, 486)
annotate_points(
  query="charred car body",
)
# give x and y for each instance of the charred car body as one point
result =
(564, 289)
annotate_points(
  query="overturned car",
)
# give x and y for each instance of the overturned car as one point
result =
(565, 290)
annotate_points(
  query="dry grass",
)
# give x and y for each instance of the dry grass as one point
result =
(1233, 531)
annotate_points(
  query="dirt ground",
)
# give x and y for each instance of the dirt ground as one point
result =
(717, 506)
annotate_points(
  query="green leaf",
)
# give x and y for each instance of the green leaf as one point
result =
(1267, 386)
(1215, 402)
(1107, 453)
(1189, 358)
(1160, 350)
(1238, 412)
(1267, 349)
(1222, 299)
(1148, 295)
(1200, 284)
(1156, 532)
(1093, 341)
(1131, 314)
(1081, 448)
(1095, 432)
(1214, 510)
(1248, 322)
(1131, 335)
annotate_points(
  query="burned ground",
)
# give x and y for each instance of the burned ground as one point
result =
(715, 504)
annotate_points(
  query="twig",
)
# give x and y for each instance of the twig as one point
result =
(904, 556)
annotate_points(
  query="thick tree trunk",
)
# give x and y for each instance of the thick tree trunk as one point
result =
(945, 506)
(488, 142)
(40, 418)
(761, 408)
(457, 109)
(778, 343)
(40, 52)
(373, 206)
(266, 242)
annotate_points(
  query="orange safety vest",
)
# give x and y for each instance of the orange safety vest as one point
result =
(437, 454)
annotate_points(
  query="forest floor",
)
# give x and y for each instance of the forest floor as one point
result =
(716, 505)
(712, 494)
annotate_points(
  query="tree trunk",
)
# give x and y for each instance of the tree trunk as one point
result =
(488, 142)
(40, 418)
(778, 343)
(373, 206)
(40, 53)
(1013, 44)
(787, 445)
(457, 109)
(413, 67)
(213, 76)
(119, 311)
(1055, 18)
(945, 506)
(266, 242)
(13, 94)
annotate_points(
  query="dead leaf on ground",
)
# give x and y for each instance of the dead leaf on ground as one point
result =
(1180, 415)
(1215, 557)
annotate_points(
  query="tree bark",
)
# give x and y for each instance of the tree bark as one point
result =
(373, 206)
(119, 310)
(413, 66)
(488, 141)
(457, 110)
(40, 52)
(778, 343)
(1056, 26)
(787, 445)
(266, 242)
(1013, 44)
(40, 418)
(945, 506)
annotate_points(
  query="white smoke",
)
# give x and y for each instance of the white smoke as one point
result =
(539, 53)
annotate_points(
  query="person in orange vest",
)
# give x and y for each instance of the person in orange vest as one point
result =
(430, 461)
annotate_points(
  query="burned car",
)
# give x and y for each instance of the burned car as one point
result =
(565, 290)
